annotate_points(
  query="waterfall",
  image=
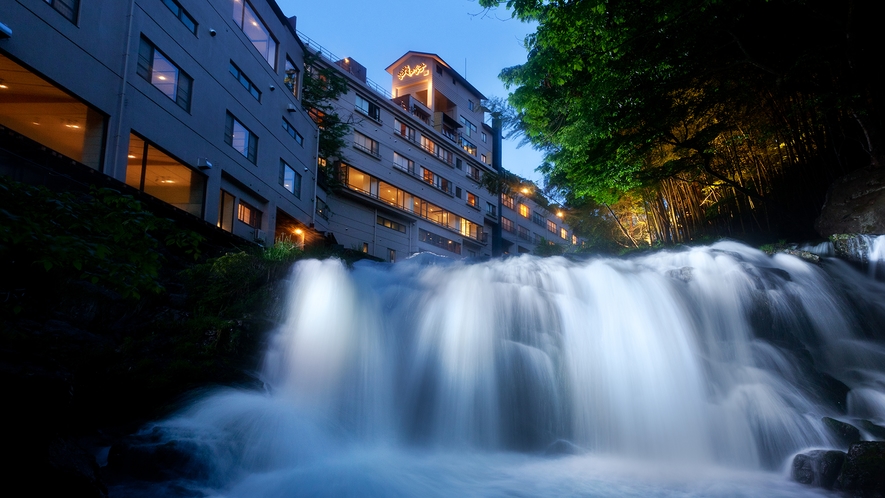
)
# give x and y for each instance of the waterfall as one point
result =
(440, 377)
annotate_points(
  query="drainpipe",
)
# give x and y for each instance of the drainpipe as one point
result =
(123, 84)
(316, 172)
(497, 163)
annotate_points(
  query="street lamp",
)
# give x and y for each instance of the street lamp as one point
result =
(300, 232)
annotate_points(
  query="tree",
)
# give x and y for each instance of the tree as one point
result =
(701, 111)
(320, 90)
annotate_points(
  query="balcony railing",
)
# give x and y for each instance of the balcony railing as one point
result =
(480, 236)
(329, 56)
(413, 173)
(363, 148)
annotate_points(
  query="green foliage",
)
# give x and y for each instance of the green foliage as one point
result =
(546, 248)
(621, 96)
(104, 237)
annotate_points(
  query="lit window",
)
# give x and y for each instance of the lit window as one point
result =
(240, 138)
(399, 227)
(472, 172)
(403, 163)
(293, 132)
(403, 130)
(249, 215)
(366, 144)
(469, 128)
(182, 15)
(158, 174)
(292, 76)
(574, 240)
(507, 201)
(472, 200)
(482, 157)
(226, 211)
(563, 233)
(368, 108)
(391, 255)
(551, 226)
(255, 30)
(67, 8)
(290, 179)
(524, 211)
(159, 71)
(468, 146)
(507, 225)
(246, 82)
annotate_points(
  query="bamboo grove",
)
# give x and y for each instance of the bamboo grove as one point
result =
(680, 120)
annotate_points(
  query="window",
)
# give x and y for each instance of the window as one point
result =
(249, 215)
(469, 128)
(368, 108)
(67, 8)
(507, 225)
(551, 226)
(472, 172)
(524, 211)
(255, 31)
(468, 146)
(538, 219)
(246, 82)
(403, 130)
(293, 132)
(366, 247)
(240, 138)
(432, 147)
(290, 179)
(574, 240)
(182, 15)
(507, 201)
(483, 158)
(403, 163)
(563, 234)
(159, 71)
(524, 234)
(436, 180)
(472, 200)
(292, 77)
(439, 241)
(391, 255)
(470, 104)
(484, 137)
(322, 209)
(366, 144)
(538, 239)
(158, 174)
(399, 227)
(491, 209)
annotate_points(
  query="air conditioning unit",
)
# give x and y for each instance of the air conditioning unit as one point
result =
(204, 163)
(260, 235)
(291, 108)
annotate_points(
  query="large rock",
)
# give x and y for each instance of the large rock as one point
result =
(152, 456)
(845, 434)
(855, 204)
(863, 473)
(818, 468)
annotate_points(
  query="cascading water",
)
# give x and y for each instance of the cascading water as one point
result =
(692, 373)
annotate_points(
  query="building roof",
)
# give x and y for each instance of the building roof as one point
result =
(438, 59)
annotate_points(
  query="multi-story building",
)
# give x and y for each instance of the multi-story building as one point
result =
(195, 103)
(526, 224)
(410, 176)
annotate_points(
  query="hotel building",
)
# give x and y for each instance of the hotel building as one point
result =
(197, 104)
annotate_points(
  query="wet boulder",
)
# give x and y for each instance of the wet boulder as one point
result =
(818, 468)
(877, 431)
(845, 434)
(855, 204)
(863, 473)
(153, 457)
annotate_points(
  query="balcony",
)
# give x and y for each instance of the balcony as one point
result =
(372, 152)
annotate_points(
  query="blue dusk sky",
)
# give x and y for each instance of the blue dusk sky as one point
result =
(476, 43)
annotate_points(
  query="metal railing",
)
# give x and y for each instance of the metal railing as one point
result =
(329, 56)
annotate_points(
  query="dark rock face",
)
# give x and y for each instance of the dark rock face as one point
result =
(846, 434)
(863, 473)
(855, 204)
(818, 468)
(877, 431)
(151, 457)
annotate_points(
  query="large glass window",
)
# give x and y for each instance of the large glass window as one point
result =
(249, 214)
(368, 108)
(290, 179)
(293, 132)
(182, 15)
(226, 211)
(240, 138)
(403, 163)
(439, 241)
(507, 225)
(159, 71)
(366, 144)
(160, 175)
(67, 8)
(46, 114)
(403, 130)
(254, 28)
(551, 226)
(524, 211)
